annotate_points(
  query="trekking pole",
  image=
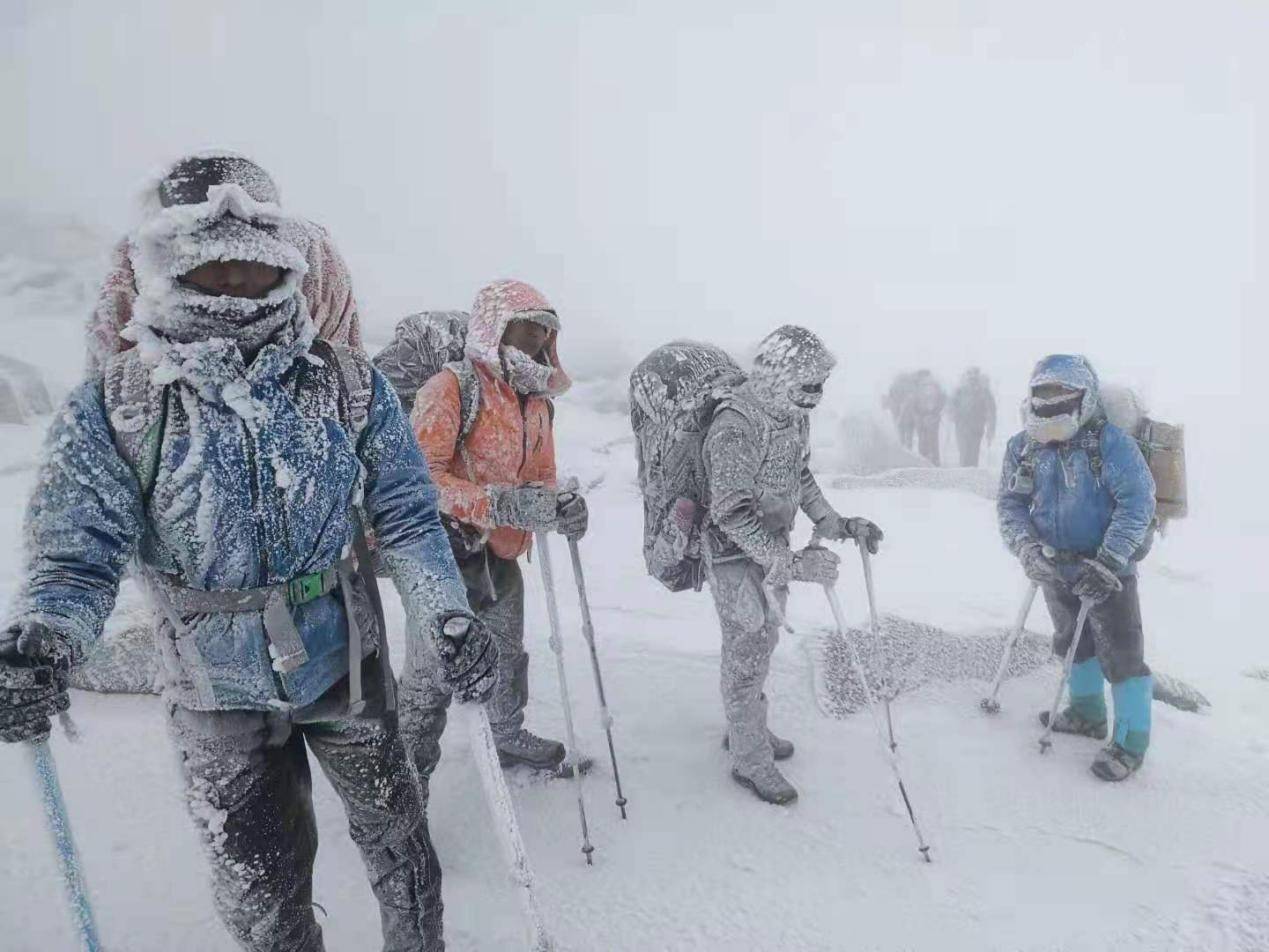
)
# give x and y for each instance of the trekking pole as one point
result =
(557, 646)
(588, 632)
(67, 856)
(989, 703)
(891, 755)
(499, 797)
(1085, 605)
(866, 557)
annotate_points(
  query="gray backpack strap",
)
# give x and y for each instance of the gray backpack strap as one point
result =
(355, 383)
(137, 412)
(468, 395)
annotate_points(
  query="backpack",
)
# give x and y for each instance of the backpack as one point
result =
(674, 393)
(422, 346)
(1162, 444)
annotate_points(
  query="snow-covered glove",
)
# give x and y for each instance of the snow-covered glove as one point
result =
(469, 655)
(838, 528)
(1038, 566)
(1096, 581)
(816, 564)
(531, 507)
(34, 677)
(572, 516)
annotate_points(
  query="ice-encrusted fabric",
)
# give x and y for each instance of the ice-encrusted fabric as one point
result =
(497, 305)
(750, 632)
(509, 444)
(1070, 507)
(326, 287)
(757, 465)
(247, 493)
(248, 789)
(787, 358)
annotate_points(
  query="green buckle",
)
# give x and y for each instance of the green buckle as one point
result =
(305, 588)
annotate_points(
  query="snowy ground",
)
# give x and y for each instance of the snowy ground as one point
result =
(1030, 853)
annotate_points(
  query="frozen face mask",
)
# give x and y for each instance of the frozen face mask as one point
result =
(527, 376)
(791, 368)
(1064, 397)
(214, 209)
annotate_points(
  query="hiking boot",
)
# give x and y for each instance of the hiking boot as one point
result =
(781, 748)
(1114, 763)
(767, 783)
(1071, 721)
(528, 749)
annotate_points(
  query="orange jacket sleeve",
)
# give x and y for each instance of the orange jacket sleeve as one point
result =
(436, 419)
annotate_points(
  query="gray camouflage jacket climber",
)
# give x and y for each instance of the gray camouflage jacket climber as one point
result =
(254, 486)
(758, 475)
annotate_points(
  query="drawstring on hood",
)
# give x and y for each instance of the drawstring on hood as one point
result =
(497, 305)
(1058, 417)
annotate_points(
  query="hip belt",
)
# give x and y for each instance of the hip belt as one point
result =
(275, 603)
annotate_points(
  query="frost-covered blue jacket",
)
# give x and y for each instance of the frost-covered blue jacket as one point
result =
(1071, 509)
(234, 505)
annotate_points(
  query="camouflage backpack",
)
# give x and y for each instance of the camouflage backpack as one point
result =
(674, 392)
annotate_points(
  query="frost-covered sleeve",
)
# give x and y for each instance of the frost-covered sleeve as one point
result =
(813, 503)
(437, 421)
(1131, 484)
(732, 461)
(400, 501)
(112, 310)
(1013, 510)
(82, 524)
(327, 288)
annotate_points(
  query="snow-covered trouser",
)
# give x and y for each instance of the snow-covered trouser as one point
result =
(495, 591)
(1113, 633)
(250, 793)
(750, 630)
(969, 440)
(928, 438)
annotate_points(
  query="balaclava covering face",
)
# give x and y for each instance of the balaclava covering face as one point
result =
(527, 375)
(1069, 401)
(215, 207)
(496, 306)
(790, 369)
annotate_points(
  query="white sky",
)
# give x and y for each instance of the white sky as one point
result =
(924, 183)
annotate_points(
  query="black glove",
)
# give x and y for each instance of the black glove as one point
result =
(840, 528)
(816, 564)
(469, 655)
(529, 507)
(1039, 567)
(1096, 581)
(572, 516)
(34, 678)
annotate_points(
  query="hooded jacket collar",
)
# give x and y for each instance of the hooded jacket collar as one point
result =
(497, 305)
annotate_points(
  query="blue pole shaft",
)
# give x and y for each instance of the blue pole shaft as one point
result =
(67, 857)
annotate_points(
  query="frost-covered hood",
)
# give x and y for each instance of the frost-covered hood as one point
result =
(497, 305)
(788, 360)
(1074, 372)
(214, 207)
